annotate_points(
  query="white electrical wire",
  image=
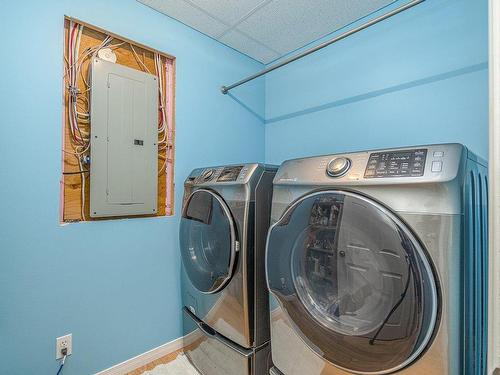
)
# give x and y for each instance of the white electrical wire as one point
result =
(141, 63)
(163, 126)
(77, 99)
(159, 72)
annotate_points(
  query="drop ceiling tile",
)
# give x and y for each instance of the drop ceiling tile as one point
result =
(248, 46)
(266, 29)
(285, 25)
(228, 11)
(188, 14)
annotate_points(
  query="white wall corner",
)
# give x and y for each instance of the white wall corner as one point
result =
(494, 189)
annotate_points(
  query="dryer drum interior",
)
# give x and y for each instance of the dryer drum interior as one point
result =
(355, 282)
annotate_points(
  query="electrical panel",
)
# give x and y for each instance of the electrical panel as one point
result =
(124, 136)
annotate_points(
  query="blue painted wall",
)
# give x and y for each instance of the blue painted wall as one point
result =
(419, 77)
(113, 284)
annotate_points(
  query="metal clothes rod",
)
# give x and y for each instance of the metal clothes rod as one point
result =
(226, 89)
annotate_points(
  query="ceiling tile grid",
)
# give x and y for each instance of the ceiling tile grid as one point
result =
(231, 11)
(248, 46)
(266, 29)
(189, 15)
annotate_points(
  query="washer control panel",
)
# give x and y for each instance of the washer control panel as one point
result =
(417, 164)
(407, 163)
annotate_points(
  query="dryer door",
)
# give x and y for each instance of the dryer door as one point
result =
(355, 282)
(208, 241)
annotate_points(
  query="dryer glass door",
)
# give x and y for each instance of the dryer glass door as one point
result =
(354, 280)
(208, 241)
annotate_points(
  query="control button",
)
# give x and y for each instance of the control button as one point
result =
(438, 154)
(338, 167)
(370, 172)
(208, 174)
(437, 166)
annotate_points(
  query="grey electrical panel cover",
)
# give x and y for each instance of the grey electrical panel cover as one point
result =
(124, 136)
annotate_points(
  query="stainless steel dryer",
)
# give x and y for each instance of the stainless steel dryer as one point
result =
(377, 263)
(223, 231)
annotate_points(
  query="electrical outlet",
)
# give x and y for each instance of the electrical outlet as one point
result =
(64, 342)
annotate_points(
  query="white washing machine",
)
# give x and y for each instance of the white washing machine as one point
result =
(377, 263)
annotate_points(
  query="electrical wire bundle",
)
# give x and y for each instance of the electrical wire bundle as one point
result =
(78, 108)
(163, 142)
(163, 128)
(79, 137)
(78, 100)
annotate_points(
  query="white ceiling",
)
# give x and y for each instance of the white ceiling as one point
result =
(266, 29)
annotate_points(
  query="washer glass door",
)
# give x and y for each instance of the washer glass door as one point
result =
(208, 241)
(354, 280)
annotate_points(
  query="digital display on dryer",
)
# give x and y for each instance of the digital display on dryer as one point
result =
(407, 163)
(230, 174)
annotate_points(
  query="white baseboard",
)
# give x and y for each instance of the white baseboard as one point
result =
(144, 358)
(191, 337)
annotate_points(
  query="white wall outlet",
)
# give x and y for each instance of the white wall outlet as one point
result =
(64, 342)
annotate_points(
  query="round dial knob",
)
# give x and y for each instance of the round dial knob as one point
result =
(338, 167)
(208, 174)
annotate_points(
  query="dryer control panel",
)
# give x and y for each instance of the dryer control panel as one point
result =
(407, 163)
(231, 174)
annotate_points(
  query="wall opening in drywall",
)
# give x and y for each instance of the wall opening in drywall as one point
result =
(82, 44)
